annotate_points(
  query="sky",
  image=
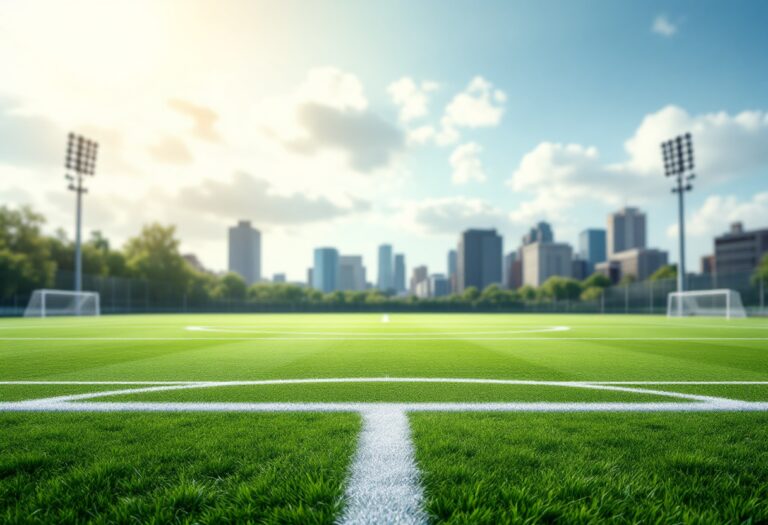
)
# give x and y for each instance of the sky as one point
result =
(351, 124)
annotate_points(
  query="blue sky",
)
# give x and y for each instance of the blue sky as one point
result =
(356, 123)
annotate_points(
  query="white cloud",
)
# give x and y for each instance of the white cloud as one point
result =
(450, 215)
(663, 26)
(558, 176)
(421, 135)
(718, 212)
(411, 97)
(466, 164)
(479, 105)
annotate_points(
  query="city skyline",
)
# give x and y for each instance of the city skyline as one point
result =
(522, 120)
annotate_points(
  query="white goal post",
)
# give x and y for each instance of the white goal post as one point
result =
(46, 303)
(710, 303)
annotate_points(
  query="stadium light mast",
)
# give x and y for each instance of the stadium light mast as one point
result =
(81, 160)
(678, 162)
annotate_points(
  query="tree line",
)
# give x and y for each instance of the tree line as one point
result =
(29, 260)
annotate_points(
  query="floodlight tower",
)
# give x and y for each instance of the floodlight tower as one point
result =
(678, 162)
(81, 159)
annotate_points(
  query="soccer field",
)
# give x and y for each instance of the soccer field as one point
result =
(368, 418)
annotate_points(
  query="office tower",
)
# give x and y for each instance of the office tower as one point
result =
(399, 273)
(310, 278)
(512, 271)
(542, 232)
(278, 278)
(452, 266)
(592, 247)
(326, 269)
(351, 273)
(626, 230)
(245, 252)
(478, 259)
(545, 259)
(580, 268)
(385, 281)
(638, 262)
(420, 275)
(740, 251)
(439, 285)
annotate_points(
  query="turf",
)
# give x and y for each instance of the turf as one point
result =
(589, 468)
(160, 348)
(486, 468)
(203, 468)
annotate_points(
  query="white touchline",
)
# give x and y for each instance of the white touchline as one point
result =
(384, 486)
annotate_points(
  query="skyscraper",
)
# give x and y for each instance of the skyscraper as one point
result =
(479, 259)
(592, 247)
(419, 278)
(626, 230)
(452, 265)
(542, 232)
(399, 273)
(544, 260)
(386, 277)
(351, 273)
(245, 251)
(326, 269)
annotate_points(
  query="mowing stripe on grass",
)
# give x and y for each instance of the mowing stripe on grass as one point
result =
(469, 337)
(384, 482)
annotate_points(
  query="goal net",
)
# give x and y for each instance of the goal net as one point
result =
(45, 303)
(710, 303)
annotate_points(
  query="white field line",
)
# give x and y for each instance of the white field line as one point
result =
(384, 485)
(289, 338)
(326, 333)
(377, 379)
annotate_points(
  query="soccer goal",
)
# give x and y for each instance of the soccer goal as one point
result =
(46, 303)
(709, 303)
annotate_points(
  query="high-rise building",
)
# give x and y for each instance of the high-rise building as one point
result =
(420, 274)
(245, 252)
(639, 262)
(592, 247)
(399, 273)
(544, 260)
(278, 278)
(542, 232)
(326, 269)
(351, 273)
(580, 268)
(740, 251)
(479, 259)
(439, 285)
(512, 271)
(452, 269)
(385, 281)
(310, 278)
(626, 230)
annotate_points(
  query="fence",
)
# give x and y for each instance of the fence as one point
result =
(122, 295)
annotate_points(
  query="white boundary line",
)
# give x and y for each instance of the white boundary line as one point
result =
(468, 337)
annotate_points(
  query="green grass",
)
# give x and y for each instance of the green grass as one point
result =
(486, 468)
(170, 468)
(643, 468)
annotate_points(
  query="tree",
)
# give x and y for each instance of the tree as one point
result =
(154, 255)
(527, 292)
(596, 280)
(232, 286)
(668, 271)
(560, 288)
(592, 293)
(761, 272)
(627, 280)
(471, 294)
(25, 257)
